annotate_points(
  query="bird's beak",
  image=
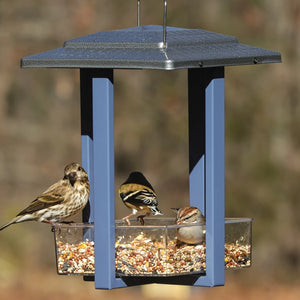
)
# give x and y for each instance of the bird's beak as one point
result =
(72, 177)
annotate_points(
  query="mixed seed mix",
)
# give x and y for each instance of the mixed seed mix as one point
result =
(147, 257)
(76, 258)
(144, 256)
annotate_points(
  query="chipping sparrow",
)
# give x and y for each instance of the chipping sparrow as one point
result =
(193, 234)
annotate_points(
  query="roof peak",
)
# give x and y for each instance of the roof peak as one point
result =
(148, 37)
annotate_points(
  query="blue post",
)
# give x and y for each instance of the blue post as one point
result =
(206, 157)
(206, 151)
(98, 158)
(87, 152)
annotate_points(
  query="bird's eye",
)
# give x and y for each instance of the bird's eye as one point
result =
(79, 169)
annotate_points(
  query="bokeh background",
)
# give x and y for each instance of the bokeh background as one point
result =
(40, 133)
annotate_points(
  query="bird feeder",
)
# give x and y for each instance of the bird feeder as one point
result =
(205, 55)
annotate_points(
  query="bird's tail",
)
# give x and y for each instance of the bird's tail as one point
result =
(13, 221)
(155, 211)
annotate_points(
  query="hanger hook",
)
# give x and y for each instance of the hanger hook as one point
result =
(138, 13)
(164, 20)
(165, 24)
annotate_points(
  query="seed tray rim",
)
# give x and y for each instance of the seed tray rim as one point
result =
(121, 225)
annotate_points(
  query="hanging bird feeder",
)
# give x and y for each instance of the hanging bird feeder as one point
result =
(99, 245)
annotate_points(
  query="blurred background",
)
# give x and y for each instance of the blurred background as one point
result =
(40, 134)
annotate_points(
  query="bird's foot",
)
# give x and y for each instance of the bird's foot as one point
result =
(126, 219)
(67, 222)
(49, 222)
(141, 219)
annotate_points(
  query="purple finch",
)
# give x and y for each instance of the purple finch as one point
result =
(61, 200)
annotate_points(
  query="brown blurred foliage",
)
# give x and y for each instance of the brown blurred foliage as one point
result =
(40, 121)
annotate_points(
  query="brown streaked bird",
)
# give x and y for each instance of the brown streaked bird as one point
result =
(189, 215)
(61, 200)
(138, 195)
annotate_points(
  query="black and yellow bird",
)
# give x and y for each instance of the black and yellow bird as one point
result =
(138, 195)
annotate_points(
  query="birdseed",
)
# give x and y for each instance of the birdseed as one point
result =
(143, 256)
(76, 258)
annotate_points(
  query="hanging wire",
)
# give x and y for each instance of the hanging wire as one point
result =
(164, 20)
(138, 13)
(165, 25)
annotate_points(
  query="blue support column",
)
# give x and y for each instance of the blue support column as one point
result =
(98, 158)
(206, 150)
(87, 160)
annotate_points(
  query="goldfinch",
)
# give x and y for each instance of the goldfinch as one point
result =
(138, 195)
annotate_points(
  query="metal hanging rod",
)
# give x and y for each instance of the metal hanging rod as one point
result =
(164, 20)
(165, 24)
(138, 13)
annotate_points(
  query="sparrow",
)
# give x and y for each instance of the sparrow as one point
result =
(138, 195)
(61, 200)
(189, 215)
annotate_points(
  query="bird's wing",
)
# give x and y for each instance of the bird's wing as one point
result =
(139, 197)
(55, 194)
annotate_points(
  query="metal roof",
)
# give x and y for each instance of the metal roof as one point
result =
(142, 48)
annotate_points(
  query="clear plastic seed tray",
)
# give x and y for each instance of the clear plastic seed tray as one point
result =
(150, 250)
(74, 248)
